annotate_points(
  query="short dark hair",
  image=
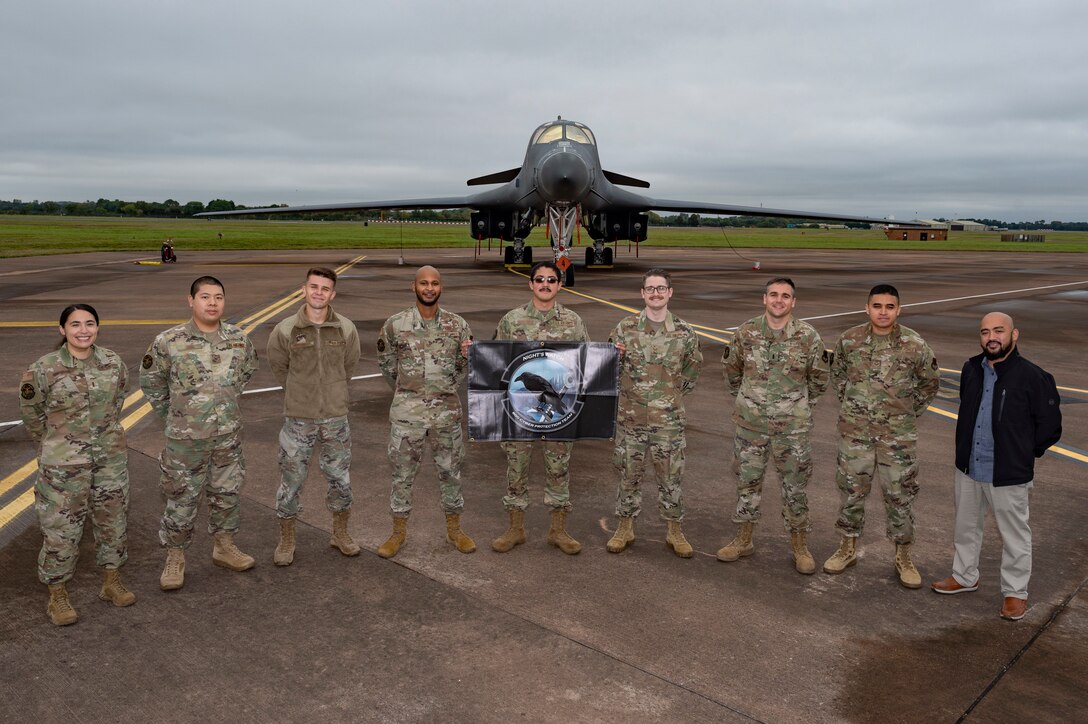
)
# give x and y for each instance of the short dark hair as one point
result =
(67, 312)
(657, 272)
(884, 289)
(205, 281)
(780, 280)
(320, 271)
(546, 264)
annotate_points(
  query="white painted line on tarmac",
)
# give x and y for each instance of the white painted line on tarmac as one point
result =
(960, 299)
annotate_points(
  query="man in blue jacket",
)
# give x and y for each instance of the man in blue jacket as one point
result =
(1009, 415)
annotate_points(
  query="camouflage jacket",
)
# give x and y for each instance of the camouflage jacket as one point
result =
(72, 407)
(883, 382)
(422, 362)
(314, 363)
(658, 368)
(558, 324)
(776, 375)
(194, 380)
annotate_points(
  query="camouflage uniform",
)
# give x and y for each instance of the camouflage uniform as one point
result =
(422, 361)
(776, 375)
(72, 410)
(659, 367)
(314, 363)
(884, 384)
(194, 381)
(527, 323)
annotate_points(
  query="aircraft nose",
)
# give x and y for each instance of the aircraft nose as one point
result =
(563, 176)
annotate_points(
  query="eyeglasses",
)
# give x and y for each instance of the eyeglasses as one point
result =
(660, 290)
(545, 280)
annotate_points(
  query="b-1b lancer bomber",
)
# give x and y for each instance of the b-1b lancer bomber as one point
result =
(561, 183)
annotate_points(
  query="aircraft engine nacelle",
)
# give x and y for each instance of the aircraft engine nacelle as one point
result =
(493, 225)
(619, 226)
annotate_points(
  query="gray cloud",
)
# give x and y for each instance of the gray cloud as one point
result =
(932, 108)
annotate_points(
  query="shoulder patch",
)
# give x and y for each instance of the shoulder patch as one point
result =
(934, 363)
(726, 352)
(381, 344)
(147, 362)
(829, 356)
(27, 391)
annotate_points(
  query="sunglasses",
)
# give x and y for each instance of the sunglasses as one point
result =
(545, 280)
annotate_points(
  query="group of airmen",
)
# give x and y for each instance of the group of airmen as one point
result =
(883, 374)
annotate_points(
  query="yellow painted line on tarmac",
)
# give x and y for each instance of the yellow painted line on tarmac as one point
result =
(8, 483)
(13, 509)
(107, 323)
(632, 310)
(1063, 389)
(1056, 449)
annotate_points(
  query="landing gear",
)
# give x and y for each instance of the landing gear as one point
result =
(518, 254)
(598, 256)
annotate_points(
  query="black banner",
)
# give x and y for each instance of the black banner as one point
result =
(542, 390)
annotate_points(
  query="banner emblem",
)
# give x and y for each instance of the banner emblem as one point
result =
(543, 388)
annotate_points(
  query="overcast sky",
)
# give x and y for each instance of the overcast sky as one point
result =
(943, 108)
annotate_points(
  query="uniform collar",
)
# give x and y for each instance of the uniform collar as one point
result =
(644, 321)
(194, 331)
(304, 321)
(418, 320)
(892, 337)
(66, 358)
(787, 331)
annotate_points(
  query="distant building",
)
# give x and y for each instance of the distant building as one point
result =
(957, 225)
(916, 233)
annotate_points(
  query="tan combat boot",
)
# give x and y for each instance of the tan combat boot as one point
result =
(802, 559)
(341, 539)
(624, 535)
(173, 573)
(114, 591)
(675, 539)
(844, 557)
(285, 549)
(741, 546)
(60, 608)
(455, 535)
(514, 535)
(904, 566)
(396, 540)
(227, 555)
(558, 536)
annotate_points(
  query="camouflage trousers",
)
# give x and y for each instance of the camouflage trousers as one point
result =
(298, 437)
(666, 453)
(556, 474)
(406, 454)
(194, 469)
(64, 495)
(893, 460)
(792, 455)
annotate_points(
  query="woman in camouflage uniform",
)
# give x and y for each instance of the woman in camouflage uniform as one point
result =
(71, 402)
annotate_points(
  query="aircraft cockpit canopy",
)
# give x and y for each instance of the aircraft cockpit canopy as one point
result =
(564, 130)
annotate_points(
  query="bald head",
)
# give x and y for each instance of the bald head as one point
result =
(428, 270)
(998, 336)
(428, 288)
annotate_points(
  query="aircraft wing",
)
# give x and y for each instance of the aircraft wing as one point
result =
(697, 207)
(442, 202)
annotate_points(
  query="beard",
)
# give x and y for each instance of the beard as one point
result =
(999, 354)
(427, 302)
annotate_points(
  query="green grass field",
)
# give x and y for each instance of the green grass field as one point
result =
(34, 235)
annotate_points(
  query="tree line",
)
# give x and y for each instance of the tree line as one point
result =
(171, 209)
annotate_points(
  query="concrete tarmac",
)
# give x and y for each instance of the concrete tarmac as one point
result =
(535, 635)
